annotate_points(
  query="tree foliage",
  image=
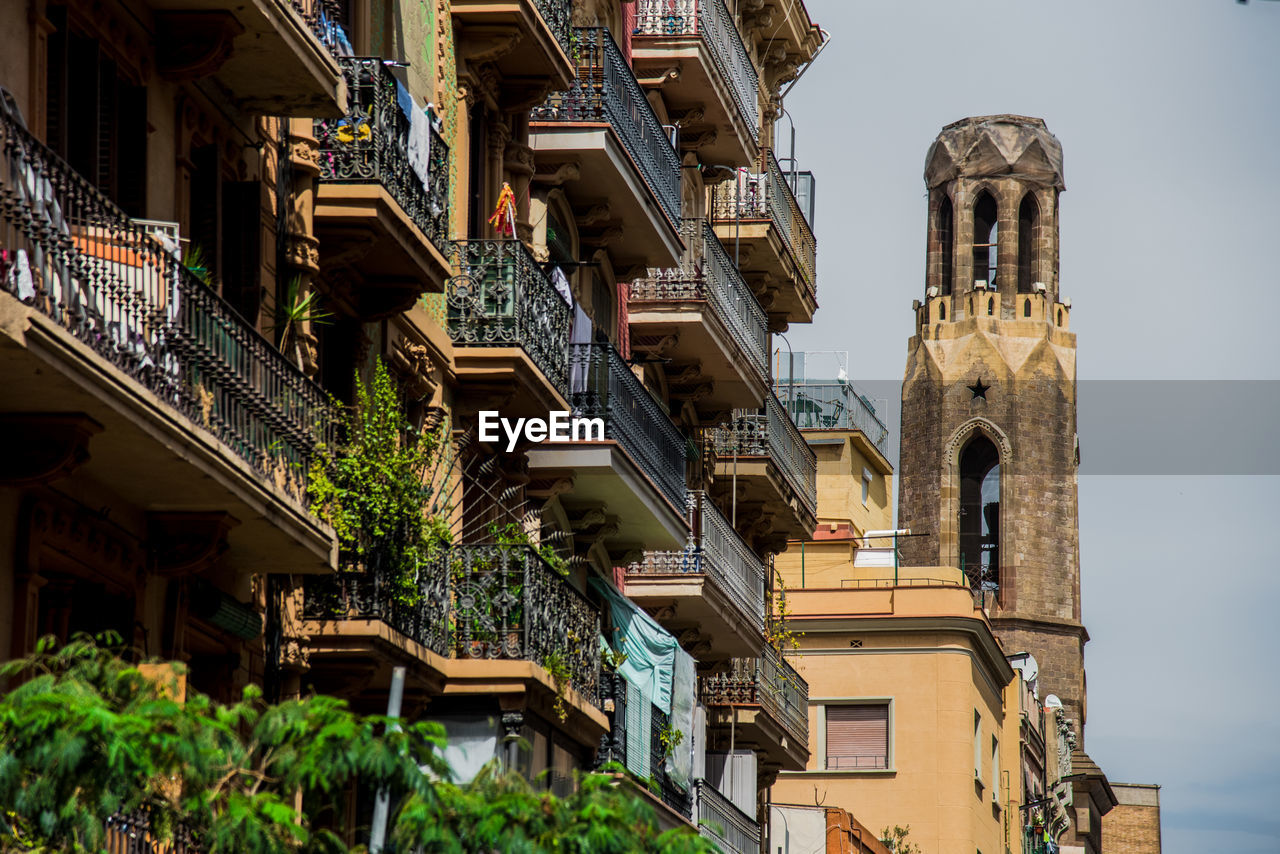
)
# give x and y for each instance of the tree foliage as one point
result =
(85, 735)
(896, 840)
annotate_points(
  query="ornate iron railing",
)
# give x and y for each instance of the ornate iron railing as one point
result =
(602, 386)
(671, 794)
(711, 20)
(719, 820)
(606, 90)
(130, 833)
(768, 195)
(69, 252)
(501, 298)
(714, 549)
(558, 16)
(376, 142)
(771, 434)
(482, 601)
(707, 274)
(768, 682)
(828, 405)
(322, 17)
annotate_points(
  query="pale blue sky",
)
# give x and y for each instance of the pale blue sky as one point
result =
(1169, 115)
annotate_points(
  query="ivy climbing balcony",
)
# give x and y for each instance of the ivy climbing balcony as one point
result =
(636, 473)
(510, 327)
(759, 212)
(384, 171)
(765, 455)
(479, 602)
(602, 143)
(702, 322)
(772, 703)
(714, 587)
(717, 91)
(107, 327)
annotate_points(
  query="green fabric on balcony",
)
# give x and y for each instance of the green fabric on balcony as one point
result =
(650, 649)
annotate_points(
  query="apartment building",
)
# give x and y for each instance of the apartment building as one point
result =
(217, 221)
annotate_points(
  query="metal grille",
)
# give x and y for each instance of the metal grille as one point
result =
(723, 823)
(771, 434)
(770, 683)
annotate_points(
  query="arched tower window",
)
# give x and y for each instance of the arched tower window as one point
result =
(979, 522)
(991, 306)
(942, 311)
(985, 239)
(1026, 308)
(946, 238)
(1028, 225)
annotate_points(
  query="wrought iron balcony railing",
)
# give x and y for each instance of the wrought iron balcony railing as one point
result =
(768, 682)
(716, 550)
(832, 405)
(482, 601)
(712, 21)
(376, 142)
(501, 298)
(601, 385)
(642, 754)
(606, 90)
(322, 17)
(558, 16)
(732, 830)
(707, 274)
(768, 195)
(130, 833)
(771, 434)
(121, 289)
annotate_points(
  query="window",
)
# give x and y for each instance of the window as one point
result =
(1026, 308)
(977, 745)
(980, 513)
(985, 239)
(857, 737)
(947, 241)
(995, 769)
(991, 306)
(1028, 225)
(867, 479)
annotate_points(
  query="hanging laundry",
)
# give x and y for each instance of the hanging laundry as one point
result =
(561, 283)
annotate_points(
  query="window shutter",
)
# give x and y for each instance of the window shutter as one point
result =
(638, 735)
(857, 737)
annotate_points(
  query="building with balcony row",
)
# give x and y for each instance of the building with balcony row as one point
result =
(219, 222)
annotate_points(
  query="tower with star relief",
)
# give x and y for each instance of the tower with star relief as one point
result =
(989, 448)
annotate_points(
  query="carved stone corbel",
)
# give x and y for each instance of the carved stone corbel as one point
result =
(43, 447)
(186, 543)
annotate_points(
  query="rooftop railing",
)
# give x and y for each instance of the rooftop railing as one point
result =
(121, 289)
(480, 601)
(603, 386)
(711, 20)
(732, 830)
(833, 405)
(501, 298)
(707, 274)
(378, 142)
(606, 90)
(771, 434)
(768, 682)
(716, 550)
(767, 195)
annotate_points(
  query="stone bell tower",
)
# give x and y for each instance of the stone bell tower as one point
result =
(989, 450)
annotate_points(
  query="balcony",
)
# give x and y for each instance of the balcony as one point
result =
(646, 766)
(704, 320)
(833, 406)
(266, 55)
(528, 41)
(617, 156)
(778, 251)
(510, 328)
(714, 81)
(384, 193)
(101, 323)
(772, 703)
(714, 586)
(732, 830)
(635, 477)
(765, 459)
(476, 607)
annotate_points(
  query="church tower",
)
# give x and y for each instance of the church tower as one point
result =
(989, 449)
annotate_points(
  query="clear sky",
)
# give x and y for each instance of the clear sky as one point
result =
(1169, 115)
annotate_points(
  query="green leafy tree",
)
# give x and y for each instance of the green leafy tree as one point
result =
(380, 488)
(896, 840)
(85, 735)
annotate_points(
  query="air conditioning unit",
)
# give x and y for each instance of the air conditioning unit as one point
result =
(1038, 287)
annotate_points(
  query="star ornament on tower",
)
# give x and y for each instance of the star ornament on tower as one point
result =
(979, 389)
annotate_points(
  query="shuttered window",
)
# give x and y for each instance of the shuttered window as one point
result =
(857, 737)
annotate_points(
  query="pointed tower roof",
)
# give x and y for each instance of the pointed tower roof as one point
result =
(996, 146)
